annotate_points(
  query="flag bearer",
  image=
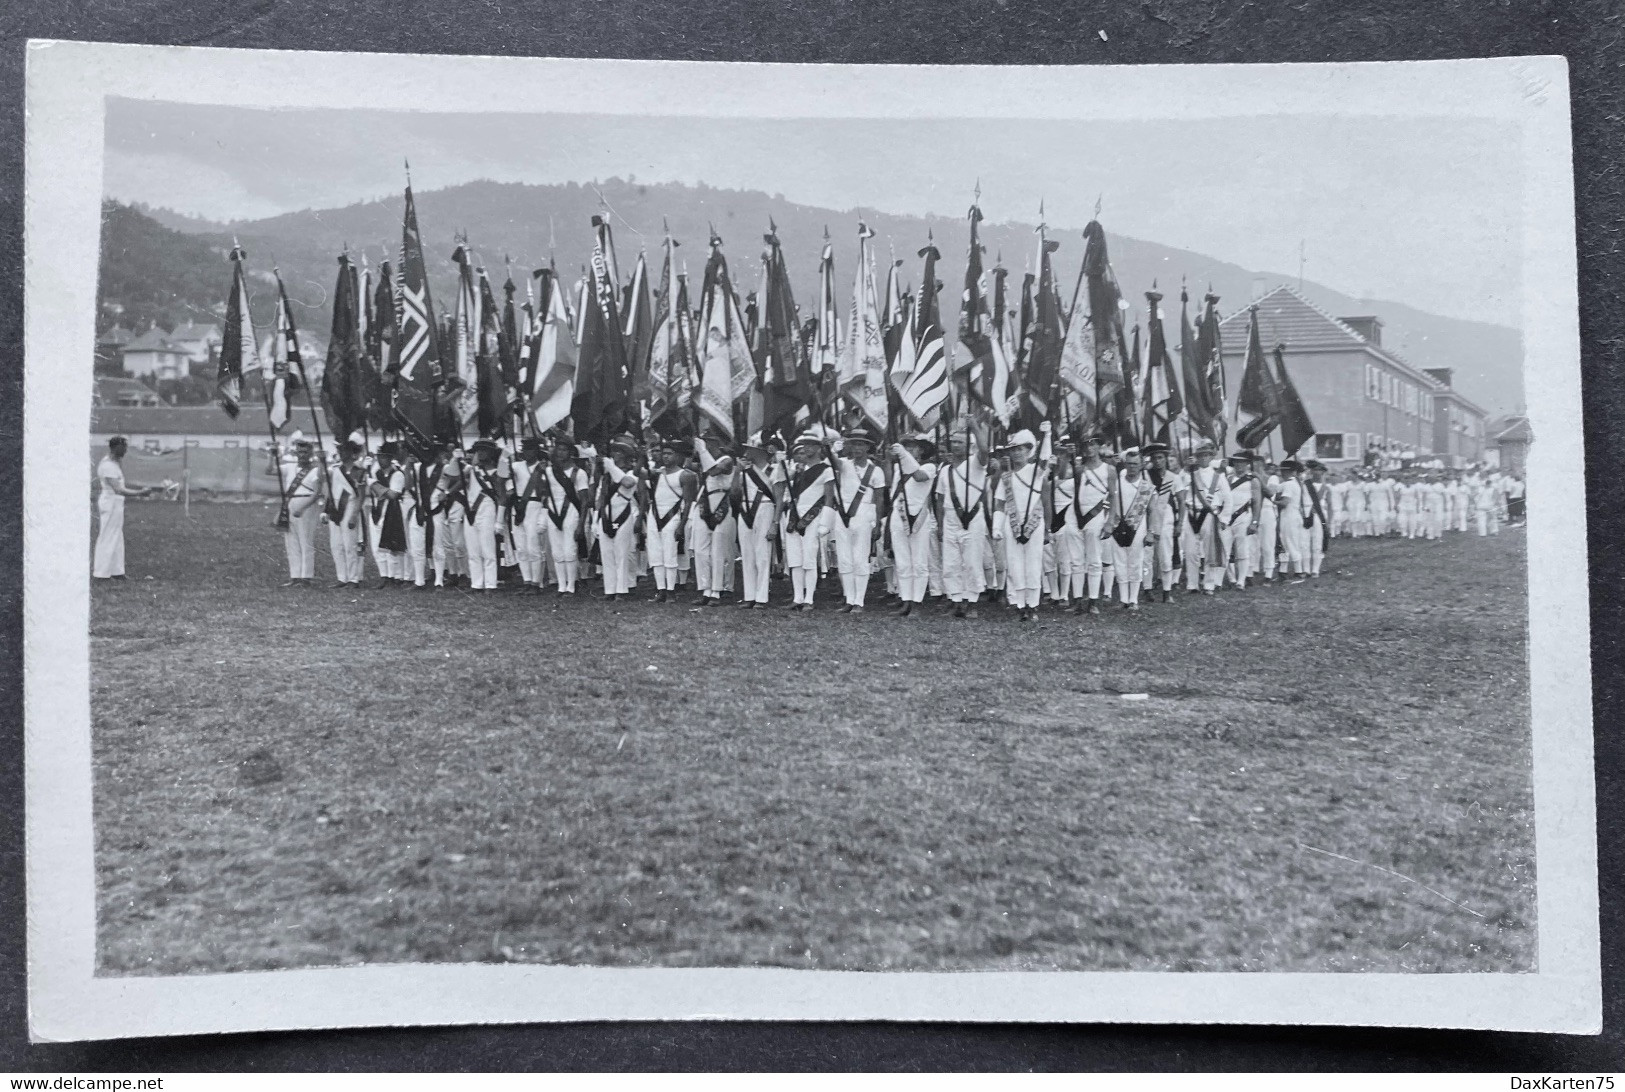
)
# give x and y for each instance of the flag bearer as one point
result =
(341, 511)
(484, 489)
(304, 513)
(803, 496)
(1319, 527)
(563, 494)
(1129, 528)
(388, 494)
(441, 491)
(671, 495)
(528, 516)
(757, 522)
(1162, 518)
(109, 563)
(1269, 514)
(962, 503)
(1063, 547)
(620, 516)
(715, 531)
(855, 492)
(1025, 497)
(1091, 518)
(418, 522)
(1203, 540)
(1297, 516)
(913, 520)
(1239, 521)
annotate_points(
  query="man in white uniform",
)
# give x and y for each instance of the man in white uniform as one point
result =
(304, 514)
(913, 518)
(109, 562)
(961, 502)
(1025, 499)
(1128, 519)
(528, 516)
(341, 511)
(1239, 522)
(1202, 539)
(803, 496)
(1268, 520)
(671, 494)
(855, 494)
(484, 491)
(564, 495)
(715, 530)
(756, 520)
(1319, 516)
(1092, 518)
(620, 516)
(1164, 518)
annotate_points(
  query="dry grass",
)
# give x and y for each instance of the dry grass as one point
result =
(302, 778)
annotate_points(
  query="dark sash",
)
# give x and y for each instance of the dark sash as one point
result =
(567, 480)
(900, 499)
(712, 516)
(763, 491)
(612, 526)
(803, 481)
(846, 512)
(662, 520)
(1244, 509)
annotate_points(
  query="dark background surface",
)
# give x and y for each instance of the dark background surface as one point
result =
(1588, 32)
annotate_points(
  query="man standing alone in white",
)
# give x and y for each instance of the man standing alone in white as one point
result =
(109, 563)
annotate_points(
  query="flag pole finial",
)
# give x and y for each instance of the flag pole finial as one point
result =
(978, 190)
(1099, 200)
(407, 163)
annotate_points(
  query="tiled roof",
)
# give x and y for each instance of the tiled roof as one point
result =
(1510, 430)
(192, 421)
(153, 339)
(1286, 317)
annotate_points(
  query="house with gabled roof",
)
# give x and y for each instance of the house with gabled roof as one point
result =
(1362, 397)
(151, 355)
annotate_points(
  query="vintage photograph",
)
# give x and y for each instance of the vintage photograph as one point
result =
(671, 539)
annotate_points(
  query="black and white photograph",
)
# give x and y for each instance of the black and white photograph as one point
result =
(986, 540)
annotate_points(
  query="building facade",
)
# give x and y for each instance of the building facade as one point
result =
(1362, 397)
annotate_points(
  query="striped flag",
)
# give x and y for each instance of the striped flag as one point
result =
(926, 388)
(1161, 392)
(287, 367)
(416, 363)
(552, 369)
(238, 353)
(861, 365)
(639, 331)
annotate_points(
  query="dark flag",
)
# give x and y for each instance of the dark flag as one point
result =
(491, 414)
(977, 373)
(416, 363)
(1041, 379)
(511, 344)
(1105, 316)
(1258, 394)
(639, 331)
(1198, 409)
(287, 365)
(786, 379)
(1296, 428)
(1210, 351)
(1161, 388)
(238, 352)
(343, 395)
(598, 410)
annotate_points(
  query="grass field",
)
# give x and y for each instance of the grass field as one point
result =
(1327, 776)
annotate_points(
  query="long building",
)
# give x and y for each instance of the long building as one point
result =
(1362, 397)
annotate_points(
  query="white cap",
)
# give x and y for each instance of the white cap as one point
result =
(1024, 438)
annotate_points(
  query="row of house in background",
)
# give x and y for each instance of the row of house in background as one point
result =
(158, 355)
(1368, 403)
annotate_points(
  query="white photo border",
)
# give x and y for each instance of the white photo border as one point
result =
(67, 85)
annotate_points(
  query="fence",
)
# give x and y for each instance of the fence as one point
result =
(242, 471)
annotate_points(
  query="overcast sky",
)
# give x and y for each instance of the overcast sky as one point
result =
(1421, 211)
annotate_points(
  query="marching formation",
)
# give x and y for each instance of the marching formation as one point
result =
(617, 433)
(1036, 518)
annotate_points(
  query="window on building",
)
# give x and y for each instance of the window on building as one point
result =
(1328, 445)
(151, 446)
(230, 443)
(1373, 384)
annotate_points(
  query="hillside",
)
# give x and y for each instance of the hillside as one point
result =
(155, 274)
(518, 219)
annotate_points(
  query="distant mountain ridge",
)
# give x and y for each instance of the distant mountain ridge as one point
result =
(521, 220)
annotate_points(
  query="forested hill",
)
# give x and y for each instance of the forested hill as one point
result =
(155, 274)
(527, 222)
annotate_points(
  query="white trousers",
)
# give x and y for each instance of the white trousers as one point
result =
(756, 556)
(480, 537)
(1129, 562)
(714, 556)
(344, 543)
(561, 544)
(1271, 527)
(911, 553)
(529, 537)
(963, 549)
(417, 550)
(662, 547)
(300, 540)
(109, 536)
(1024, 568)
(853, 544)
(615, 551)
(1238, 550)
(450, 548)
